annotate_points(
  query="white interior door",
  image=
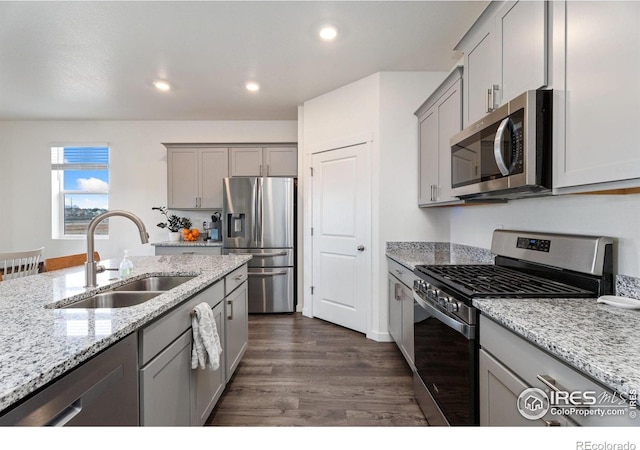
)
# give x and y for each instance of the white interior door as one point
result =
(341, 217)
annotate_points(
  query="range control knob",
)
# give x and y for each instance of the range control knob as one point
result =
(443, 299)
(453, 306)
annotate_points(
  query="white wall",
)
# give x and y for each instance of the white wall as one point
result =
(378, 109)
(138, 174)
(616, 216)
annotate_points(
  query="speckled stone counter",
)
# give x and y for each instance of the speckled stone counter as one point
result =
(411, 254)
(39, 342)
(199, 243)
(597, 339)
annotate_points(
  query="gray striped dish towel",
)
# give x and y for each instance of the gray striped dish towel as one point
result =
(206, 341)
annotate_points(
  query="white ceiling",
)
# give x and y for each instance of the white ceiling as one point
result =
(97, 60)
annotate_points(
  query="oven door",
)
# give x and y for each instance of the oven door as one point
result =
(445, 357)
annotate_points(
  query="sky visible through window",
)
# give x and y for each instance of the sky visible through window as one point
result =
(93, 185)
(86, 181)
(83, 173)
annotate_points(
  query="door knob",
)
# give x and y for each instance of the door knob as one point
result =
(360, 248)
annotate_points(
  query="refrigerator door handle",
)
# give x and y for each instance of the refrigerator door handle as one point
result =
(260, 211)
(254, 222)
(261, 255)
(267, 274)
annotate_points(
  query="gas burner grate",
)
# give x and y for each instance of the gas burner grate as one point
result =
(496, 281)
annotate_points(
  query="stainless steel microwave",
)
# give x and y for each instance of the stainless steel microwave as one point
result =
(507, 154)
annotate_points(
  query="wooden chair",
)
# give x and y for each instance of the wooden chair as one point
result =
(62, 262)
(20, 264)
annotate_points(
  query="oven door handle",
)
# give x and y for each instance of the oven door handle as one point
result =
(464, 329)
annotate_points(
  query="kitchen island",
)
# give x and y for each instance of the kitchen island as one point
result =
(40, 341)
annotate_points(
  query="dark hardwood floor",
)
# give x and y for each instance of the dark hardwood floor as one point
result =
(299, 371)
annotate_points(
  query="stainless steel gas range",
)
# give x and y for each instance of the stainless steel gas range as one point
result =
(527, 265)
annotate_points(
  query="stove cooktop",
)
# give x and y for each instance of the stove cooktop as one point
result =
(496, 281)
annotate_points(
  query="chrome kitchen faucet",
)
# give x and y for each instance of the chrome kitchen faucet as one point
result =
(91, 266)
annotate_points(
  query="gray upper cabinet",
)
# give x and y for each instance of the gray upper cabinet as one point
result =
(505, 54)
(195, 171)
(439, 117)
(194, 176)
(596, 95)
(263, 161)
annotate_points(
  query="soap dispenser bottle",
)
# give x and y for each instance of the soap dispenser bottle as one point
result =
(126, 266)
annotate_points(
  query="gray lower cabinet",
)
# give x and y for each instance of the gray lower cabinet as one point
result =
(401, 313)
(208, 385)
(165, 386)
(173, 394)
(510, 365)
(237, 326)
(102, 391)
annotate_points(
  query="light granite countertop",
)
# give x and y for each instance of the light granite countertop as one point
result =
(199, 243)
(597, 339)
(38, 342)
(411, 254)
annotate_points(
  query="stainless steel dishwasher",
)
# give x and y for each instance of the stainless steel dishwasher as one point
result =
(102, 391)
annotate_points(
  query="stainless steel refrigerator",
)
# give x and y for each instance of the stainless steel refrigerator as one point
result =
(259, 219)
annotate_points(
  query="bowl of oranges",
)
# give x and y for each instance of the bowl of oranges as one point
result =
(190, 234)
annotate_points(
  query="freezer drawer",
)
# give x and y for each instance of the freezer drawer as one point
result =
(271, 290)
(269, 257)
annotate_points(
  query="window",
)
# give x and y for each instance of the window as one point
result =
(80, 189)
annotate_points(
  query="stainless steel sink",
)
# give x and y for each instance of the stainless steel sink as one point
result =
(133, 293)
(154, 283)
(115, 299)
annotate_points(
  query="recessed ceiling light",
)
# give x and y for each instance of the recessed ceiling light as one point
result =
(252, 86)
(328, 33)
(162, 85)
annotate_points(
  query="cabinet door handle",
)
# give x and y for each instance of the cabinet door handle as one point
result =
(196, 201)
(239, 277)
(230, 315)
(491, 97)
(267, 169)
(260, 169)
(551, 423)
(69, 413)
(396, 291)
(399, 272)
(551, 383)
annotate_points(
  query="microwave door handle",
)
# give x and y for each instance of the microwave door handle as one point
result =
(497, 147)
